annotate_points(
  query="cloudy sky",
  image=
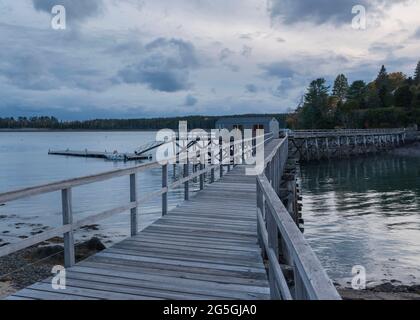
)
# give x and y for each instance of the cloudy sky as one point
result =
(145, 58)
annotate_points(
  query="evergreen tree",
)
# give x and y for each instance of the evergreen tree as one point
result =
(382, 78)
(341, 86)
(382, 86)
(403, 97)
(417, 74)
(315, 108)
(416, 100)
(357, 93)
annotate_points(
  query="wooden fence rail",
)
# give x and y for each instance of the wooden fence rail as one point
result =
(279, 236)
(347, 132)
(227, 155)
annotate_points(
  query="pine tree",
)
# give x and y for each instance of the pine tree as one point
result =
(382, 86)
(315, 105)
(417, 74)
(403, 97)
(341, 86)
(382, 79)
(357, 93)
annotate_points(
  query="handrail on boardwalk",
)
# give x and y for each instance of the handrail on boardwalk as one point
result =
(279, 236)
(223, 155)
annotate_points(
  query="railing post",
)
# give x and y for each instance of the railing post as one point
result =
(243, 150)
(273, 243)
(221, 157)
(164, 185)
(186, 183)
(260, 206)
(202, 167)
(134, 211)
(69, 255)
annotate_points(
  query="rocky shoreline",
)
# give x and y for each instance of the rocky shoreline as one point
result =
(409, 150)
(23, 268)
(385, 291)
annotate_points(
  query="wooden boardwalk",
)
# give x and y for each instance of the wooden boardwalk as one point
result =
(210, 247)
(206, 248)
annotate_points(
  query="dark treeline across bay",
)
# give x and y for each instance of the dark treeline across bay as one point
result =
(52, 123)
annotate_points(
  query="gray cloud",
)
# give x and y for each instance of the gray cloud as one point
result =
(417, 33)
(76, 10)
(246, 51)
(251, 88)
(279, 70)
(225, 54)
(386, 48)
(190, 101)
(324, 11)
(165, 66)
(46, 70)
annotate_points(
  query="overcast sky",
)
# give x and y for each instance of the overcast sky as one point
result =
(144, 58)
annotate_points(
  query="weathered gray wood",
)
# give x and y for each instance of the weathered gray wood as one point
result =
(204, 249)
(276, 272)
(185, 284)
(164, 185)
(186, 184)
(202, 168)
(69, 255)
(71, 183)
(134, 211)
(316, 282)
(202, 252)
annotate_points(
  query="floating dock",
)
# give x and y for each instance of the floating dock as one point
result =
(101, 155)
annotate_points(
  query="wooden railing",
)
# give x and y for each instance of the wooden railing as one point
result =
(279, 236)
(228, 151)
(345, 132)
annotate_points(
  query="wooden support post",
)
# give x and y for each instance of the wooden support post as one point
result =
(230, 155)
(174, 169)
(202, 167)
(194, 169)
(273, 243)
(317, 149)
(164, 185)
(327, 146)
(69, 255)
(243, 150)
(339, 146)
(186, 183)
(348, 146)
(221, 157)
(134, 211)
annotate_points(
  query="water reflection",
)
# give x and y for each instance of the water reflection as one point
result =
(365, 212)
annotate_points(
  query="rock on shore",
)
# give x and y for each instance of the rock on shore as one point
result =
(385, 291)
(24, 268)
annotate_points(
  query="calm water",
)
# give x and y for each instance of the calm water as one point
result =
(365, 212)
(24, 161)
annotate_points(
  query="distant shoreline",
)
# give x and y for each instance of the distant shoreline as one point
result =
(79, 130)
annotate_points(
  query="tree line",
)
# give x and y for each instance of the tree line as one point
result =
(52, 123)
(391, 100)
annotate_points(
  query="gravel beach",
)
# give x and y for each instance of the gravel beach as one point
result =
(26, 267)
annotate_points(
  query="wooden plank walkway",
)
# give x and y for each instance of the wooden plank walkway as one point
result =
(206, 248)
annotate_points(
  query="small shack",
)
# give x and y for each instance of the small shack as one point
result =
(267, 124)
